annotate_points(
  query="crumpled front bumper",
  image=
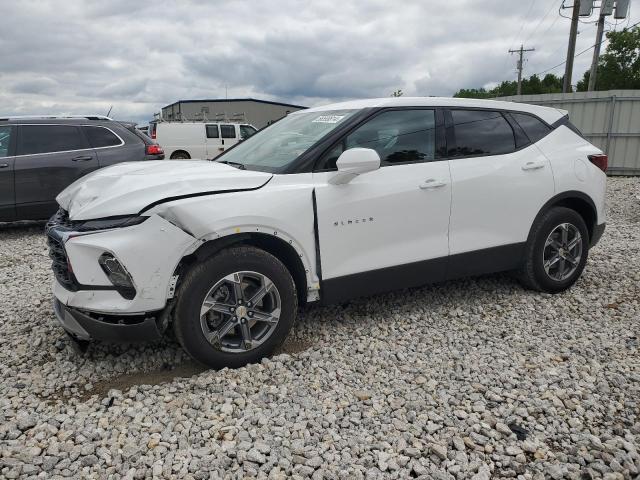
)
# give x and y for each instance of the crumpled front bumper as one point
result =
(122, 330)
(149, 252)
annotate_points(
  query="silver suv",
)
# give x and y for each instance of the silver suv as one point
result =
(40, 156)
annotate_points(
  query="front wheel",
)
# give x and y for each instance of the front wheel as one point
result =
(235, 308)
(556, 252)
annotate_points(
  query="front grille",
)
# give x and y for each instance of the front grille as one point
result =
(59, 262)
(61, 220)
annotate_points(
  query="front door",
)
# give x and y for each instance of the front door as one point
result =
(385, 229)
(48, 159)
(7, 192)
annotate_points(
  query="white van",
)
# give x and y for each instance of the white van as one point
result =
(201, 140)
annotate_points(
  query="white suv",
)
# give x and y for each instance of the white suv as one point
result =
(327, 204)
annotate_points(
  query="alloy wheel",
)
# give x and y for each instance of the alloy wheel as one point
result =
(562, 252)
(240, 312)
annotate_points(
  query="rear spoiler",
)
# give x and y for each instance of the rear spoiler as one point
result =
(565, 121)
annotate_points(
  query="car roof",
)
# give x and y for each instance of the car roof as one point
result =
(548, 114)
(59, 121)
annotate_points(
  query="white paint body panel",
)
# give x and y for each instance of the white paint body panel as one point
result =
(394, 220)
(150, 252)
(126, 188)
(572, 170)
(495, 201)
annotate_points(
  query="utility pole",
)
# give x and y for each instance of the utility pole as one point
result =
(571, 50)
(520, 51)
(596, 54)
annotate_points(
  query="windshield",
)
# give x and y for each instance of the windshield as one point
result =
(280, 144)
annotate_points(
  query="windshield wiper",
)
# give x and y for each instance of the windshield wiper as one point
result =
(239, 166)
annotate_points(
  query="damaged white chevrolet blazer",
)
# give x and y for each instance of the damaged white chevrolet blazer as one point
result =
(327, 204)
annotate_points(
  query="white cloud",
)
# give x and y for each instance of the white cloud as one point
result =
(74, 56)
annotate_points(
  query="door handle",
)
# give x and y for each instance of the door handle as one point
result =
(4, 165)
(533, 165)
(432, 183)
(84, 158)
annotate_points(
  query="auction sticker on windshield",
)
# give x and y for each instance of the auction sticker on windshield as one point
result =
(328, 119)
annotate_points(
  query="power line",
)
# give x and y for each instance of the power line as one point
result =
(580, 53)
(526, 16)
(540, 22)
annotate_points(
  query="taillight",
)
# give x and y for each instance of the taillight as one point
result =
(600, 160)
(153, 132)
(154, 150)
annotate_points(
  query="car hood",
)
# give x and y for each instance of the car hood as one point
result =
(127, 188)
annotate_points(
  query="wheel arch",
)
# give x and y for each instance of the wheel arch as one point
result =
(278, 247)
(179, 151)
(577, 201)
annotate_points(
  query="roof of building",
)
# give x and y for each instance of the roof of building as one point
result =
(548, 114)
(222, 100)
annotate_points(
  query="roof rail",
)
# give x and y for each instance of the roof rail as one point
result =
(52, 117)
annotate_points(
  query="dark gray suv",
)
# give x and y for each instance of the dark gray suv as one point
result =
(40, 156)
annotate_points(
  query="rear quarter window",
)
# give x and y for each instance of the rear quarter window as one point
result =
(100, 137)
(481, 132)
(533, 127)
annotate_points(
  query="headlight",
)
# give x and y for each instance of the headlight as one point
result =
(111, 222)
(117, 275)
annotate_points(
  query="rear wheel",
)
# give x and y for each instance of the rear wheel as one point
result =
(235, 308)
(180, 155)
(557, 251)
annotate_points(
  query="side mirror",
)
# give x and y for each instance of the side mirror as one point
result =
(354, 162)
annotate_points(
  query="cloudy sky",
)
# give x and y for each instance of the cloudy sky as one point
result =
(137, 56)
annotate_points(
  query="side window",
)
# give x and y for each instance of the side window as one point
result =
(399, 136)
(532, 126)
(33, 139)
(246, 131)
(212, 131)
(228, 131)
(480, 132)
(5, 140)
(101, 137)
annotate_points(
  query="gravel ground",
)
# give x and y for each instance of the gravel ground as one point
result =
(476, 378)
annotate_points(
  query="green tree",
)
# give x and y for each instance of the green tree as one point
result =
(532, 85)
(397, 93)
(619, 67)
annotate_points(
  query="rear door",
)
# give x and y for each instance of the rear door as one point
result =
(213, 140)
(7, 191)
(499, 183)
(49, 157)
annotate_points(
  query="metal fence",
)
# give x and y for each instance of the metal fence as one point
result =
(608, 119)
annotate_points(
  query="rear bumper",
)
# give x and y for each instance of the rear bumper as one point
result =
(126, 329)
(598, 230)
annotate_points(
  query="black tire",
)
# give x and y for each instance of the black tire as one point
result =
(532, 273)
(198, 282)
(180, 155)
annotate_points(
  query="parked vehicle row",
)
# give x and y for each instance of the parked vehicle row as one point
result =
(198, 140)
(41, 156)
(327, 204)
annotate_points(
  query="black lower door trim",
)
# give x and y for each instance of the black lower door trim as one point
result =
(488, 260)
(341, 289)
